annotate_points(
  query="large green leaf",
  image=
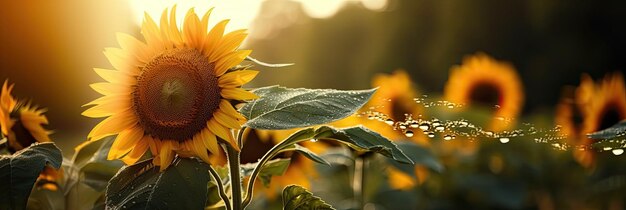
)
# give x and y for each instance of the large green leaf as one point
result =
(18, 172)
(297, 198)
(183, 185)
(276, 167)
(285, 108)
(363, 139)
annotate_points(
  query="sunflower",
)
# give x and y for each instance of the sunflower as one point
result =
(300, 171)
(482, 80)
(22, 124)
(594, 107)
(173, 93)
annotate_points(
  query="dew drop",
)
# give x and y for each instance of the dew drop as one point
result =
(618, 151)
(389, 121)
(414, 124)
(607, 148)
(431, 134)
(424, 126)
(402, 126)
(504, 140)
(448, 137)
(313, 140)
(408, 133)
(440, 128)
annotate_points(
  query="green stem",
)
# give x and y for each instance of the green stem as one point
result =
(220, 187)
(358, 181)
(235, 176)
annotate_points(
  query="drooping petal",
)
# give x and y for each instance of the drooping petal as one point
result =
(210, 141)
(166, 155)
(228, 109)
(138, 151)
(197, 146)
(226, 120)
(222, 132)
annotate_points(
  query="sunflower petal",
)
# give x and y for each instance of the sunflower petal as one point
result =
(125, 141)
(191, 34)
(155, 145)
(174, 33)
(138, 151)
(222, 132)
(113, 124)
(133, 46)
(226, 120)
(166, 154)
(115, 76)
(198, 147)
(106, 88)
(237, 78)
(238, 94)
(151, 34)
(121, 61)
(209, 141)
(229, 42)
(230, 60)
(214, 37)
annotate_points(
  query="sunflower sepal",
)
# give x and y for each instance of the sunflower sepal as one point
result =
(18, 172)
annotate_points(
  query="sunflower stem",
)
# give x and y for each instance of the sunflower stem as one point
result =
(235, 177)
(358, 181)
(220, 187)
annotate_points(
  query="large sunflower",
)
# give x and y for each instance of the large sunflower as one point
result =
(300, 171)
(173, 93)
(22, 124)
(594, 107)
(482, 80)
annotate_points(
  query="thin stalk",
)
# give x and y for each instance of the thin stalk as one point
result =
(220, 187)
(358, 181)
(235, 176)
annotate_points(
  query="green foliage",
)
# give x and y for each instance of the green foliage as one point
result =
(286, 108)
(183, 185)
(308, 153)
(18, 172)
(297, 198)
(89, 175)
(613, 137)
(276, 167)
(419, 155)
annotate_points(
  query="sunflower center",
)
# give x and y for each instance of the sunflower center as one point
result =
(609, 117)
(485, 94)
(176, 94)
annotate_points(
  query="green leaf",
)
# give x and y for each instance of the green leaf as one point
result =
(419, 155)
(613, 137)
(285, 108)
(276, 167)
(309, 154)
(183, 185)
(18, 172)
(297, 198)
(363, 139)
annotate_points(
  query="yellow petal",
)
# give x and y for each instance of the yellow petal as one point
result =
(165, 35)
(174, 33)
(191, 34)
(166, 154)
(155, 145)
(115, 99)
(222, 132)
(113, 124)
(238, 94)
(134, 47)
(237, 78)
(230, 60)
(138, 151)
(214, 37)
(121, 61)
(226, 120)
(229, 42)
(198, 147)
(228, 109)
(106, 88)
(125, 141)
(210, 142)
(115, 76)
(151, 33)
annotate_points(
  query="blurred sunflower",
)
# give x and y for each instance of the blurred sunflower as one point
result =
(173, 93)
(594, 107)
(395, 98)
(22, 124)
(301, 170)
(482, 80)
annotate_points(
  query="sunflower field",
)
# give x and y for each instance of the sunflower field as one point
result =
(309, 104)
